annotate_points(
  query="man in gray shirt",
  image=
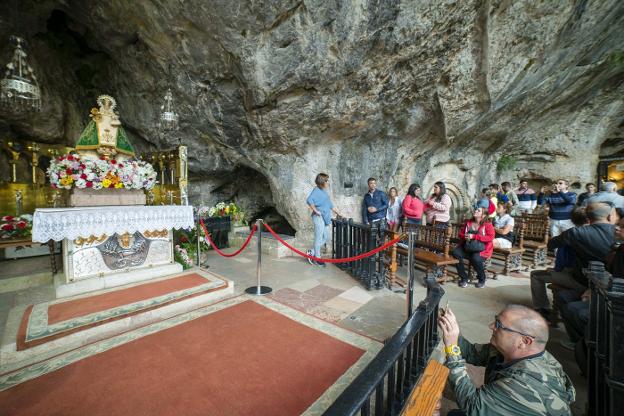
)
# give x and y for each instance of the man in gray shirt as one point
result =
(608, 193)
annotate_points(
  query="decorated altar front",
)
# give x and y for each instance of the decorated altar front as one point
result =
(112, 245)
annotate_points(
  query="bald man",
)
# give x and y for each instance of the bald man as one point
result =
(521, 378)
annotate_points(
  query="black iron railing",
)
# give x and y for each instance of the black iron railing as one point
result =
(219, 228)
(350, 239)
(605, 343)
(385, 384)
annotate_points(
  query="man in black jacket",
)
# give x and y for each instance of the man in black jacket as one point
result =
(590, 243)
(375, 203)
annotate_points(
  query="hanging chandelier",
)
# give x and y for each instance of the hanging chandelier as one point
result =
(168, 117)
(19, 89)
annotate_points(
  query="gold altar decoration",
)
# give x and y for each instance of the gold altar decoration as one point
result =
(26, 188)
(156, 234)
(79, 242)
(172, 167)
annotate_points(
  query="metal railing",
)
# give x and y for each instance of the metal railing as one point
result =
(605, 342)
(385, 384)
(349, 239)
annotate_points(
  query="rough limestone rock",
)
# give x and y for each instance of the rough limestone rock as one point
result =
(271, 93)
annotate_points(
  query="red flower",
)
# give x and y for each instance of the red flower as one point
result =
(8, 227)
(68, 171)
(102, 157)
(121, 165)
(89, 184)
(83, 166)
(70, 157)
(8, 218)
(83, 176)
(113, 161)
(21, 224)
(183, 239)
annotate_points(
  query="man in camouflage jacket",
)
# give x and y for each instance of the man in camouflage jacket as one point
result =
(521, 378)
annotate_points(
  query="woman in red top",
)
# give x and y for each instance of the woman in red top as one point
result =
(476, 237)
(412, 205)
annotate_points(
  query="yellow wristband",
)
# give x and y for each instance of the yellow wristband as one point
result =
(453, 350)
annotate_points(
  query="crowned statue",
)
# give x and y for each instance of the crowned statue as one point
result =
(104, 133)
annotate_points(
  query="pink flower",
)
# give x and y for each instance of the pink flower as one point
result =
(7, 218)
(21, 225)
(7, 227)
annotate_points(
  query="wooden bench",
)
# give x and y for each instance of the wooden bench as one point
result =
(512, 257)
(432, 250)
(27, 242)
(536, 234)
(425, 397)
(455, 240)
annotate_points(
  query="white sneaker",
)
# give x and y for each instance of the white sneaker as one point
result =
(309, 253)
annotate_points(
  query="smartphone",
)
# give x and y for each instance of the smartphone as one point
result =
(443, 311)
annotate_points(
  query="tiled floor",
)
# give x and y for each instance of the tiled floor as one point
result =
(332, 295)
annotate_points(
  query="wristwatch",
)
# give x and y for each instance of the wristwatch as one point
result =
(453, 350)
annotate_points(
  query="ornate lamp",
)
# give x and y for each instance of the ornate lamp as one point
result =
(19, 89)
(168, 117)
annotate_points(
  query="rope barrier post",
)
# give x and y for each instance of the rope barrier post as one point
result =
(199, 230)
(258, 289)
(410, 274)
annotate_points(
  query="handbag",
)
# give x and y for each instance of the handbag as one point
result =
(474, 246)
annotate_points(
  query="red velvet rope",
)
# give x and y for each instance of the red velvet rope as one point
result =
(345, 260)
(221, 253)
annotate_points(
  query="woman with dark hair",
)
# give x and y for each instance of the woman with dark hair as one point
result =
(438, 206)
(412, 205)
(476, 237)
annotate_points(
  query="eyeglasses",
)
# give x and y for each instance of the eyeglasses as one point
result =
(498, 325)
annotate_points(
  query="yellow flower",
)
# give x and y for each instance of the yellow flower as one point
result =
(67, 180)
(106, 183)
(227, 210)
(119, 185)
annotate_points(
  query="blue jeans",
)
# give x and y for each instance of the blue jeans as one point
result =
(415, 221)
(320, 234)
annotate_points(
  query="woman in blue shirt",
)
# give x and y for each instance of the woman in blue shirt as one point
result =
(321, 207)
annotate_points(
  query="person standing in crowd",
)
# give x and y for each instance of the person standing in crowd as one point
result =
(590, 189)
(504, 226)
(590, 243)
(393, 214)
(476, 237)
(438, 206)
(608, 193)
(500, 196)
(521, 377)
(413, 206)
(561, 202)
(375, 203)
(510, 194)
(322, 207)
(527, 199)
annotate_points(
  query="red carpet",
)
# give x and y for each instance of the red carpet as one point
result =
(242, 360)
(63, 311)
(59, 312)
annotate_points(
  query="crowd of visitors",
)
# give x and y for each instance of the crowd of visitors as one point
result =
(521, 377)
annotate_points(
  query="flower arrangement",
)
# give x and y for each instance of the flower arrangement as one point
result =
(15, 227)
(221, 210)
(72, 171)
(181, 256)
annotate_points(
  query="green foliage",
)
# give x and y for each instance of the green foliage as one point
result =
(505, 163)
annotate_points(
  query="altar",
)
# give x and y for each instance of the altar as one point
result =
(109, 246)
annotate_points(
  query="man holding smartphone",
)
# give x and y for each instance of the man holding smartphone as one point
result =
(561, 202)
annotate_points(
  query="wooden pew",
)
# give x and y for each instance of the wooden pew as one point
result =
(425, 397)
(455, 240)
(512, 257)
(432, 250)
(535, 237)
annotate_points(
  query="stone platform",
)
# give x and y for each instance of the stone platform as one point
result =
(270, 246)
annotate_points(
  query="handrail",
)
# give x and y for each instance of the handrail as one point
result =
(358, 394)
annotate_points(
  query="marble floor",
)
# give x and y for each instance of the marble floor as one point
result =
(336, 297)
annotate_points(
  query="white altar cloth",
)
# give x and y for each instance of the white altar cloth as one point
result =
(70, 223)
